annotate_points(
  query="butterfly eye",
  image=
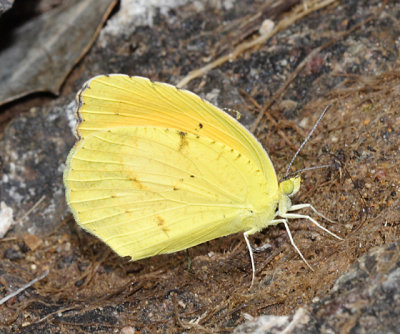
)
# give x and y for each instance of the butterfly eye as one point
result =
(287, 187)
(291, 186)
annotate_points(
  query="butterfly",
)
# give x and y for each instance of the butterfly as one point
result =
(157, 169)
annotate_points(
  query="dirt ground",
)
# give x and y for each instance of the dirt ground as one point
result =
(206, 288)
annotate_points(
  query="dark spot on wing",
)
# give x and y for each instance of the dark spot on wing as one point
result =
(160, 221)
(183, 141)
(161, 224)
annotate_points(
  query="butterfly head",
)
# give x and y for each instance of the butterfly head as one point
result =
(287, 187)
(290, 187)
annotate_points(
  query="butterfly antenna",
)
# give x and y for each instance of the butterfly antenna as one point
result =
(297, 172)
(307, 138)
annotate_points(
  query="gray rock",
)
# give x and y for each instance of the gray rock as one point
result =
(365, 299)
(33, 151)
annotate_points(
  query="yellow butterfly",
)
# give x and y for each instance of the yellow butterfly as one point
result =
(158, 170)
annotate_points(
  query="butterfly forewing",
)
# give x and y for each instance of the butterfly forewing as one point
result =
(119, 100)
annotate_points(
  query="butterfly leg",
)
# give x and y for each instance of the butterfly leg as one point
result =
(245, 234)
(295, 215)
(303, 206)
(284, 221)
(275, 222)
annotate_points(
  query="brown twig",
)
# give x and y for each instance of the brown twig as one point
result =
(297, 13)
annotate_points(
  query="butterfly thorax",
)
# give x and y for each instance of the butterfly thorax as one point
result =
(255, 221)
